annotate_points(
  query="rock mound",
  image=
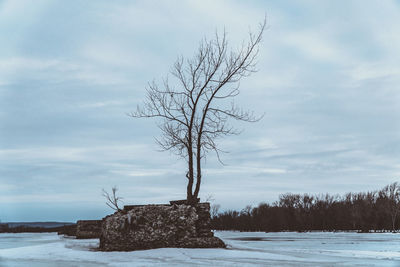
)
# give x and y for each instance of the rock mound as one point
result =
(156, 226)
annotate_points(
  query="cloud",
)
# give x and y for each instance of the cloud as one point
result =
(102, 104)
(77, 154)
(315, 47)
(144, 172)
(372, 71)
(46, 198)
(55, 71)
(244, 169)
(69, 72)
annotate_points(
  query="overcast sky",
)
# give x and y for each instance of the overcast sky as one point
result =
(328, 83)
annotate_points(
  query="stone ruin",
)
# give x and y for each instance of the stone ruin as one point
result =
(88, 229)
(68, 230)
(155, 226)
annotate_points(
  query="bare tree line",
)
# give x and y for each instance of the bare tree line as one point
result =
(364, 211)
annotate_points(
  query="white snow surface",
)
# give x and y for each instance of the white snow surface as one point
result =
(244, 249)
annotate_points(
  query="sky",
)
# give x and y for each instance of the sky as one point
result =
(328, 84)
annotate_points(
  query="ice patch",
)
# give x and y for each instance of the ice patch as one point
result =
(244, 249)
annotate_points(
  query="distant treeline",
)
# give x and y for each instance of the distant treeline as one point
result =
(366, 211)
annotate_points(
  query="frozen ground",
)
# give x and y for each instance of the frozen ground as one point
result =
(244, 249)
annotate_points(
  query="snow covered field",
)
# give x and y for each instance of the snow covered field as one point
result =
(244, 249)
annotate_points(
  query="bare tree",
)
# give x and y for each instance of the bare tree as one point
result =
(214, 210)
(113, 199)
(210, 198)
(195, 109)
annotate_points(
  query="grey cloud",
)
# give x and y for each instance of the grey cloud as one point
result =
(69, 73)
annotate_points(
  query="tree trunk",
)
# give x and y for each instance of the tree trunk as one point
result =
(198, 178)
(198, 167)
(190, 176)
(393, 222)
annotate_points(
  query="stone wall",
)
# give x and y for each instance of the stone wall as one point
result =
(156, 226)
(68, 230)
(88, 229)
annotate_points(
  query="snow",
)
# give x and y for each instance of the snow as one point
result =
(244, 249)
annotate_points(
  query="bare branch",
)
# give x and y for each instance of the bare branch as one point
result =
(113, 199)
